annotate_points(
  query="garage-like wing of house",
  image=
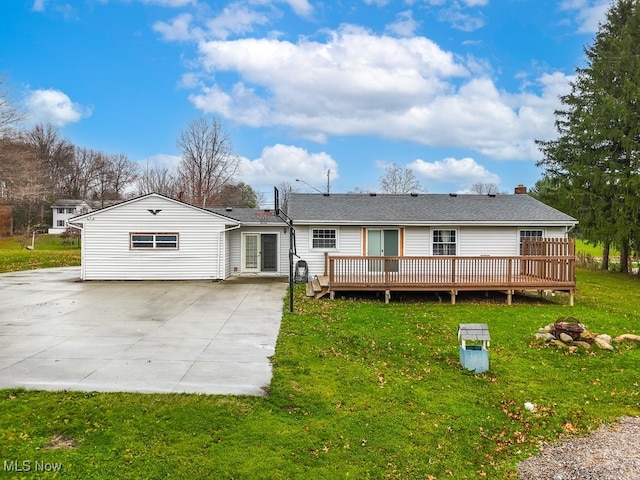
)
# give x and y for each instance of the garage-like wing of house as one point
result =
(433, 242)
(154, 238)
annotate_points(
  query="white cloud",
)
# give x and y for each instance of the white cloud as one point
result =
(284, 163)
(463, 172)
(300, 7)
(358, 83)
(404, 26)
(162, 160)
(55, 107)
(178, 29)
(170, 3)
(39, 5)
(587, 13)
(235, 19)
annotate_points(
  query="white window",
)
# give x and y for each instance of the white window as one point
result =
(324, 238)
(444, 242)
(60, 223)
(60, 210)
(149, 241)
(534, 248)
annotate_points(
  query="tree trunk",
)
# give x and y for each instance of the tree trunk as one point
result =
(605, 255)
(624, 257)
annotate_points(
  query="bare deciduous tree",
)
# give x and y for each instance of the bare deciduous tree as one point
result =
(399, 179)
(156, 179)
(54, 154)
(10, 116)
(207, 163)
(124, 173)
(484, 188)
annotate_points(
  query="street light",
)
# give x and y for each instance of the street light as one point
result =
(309, 185)
(317, 189)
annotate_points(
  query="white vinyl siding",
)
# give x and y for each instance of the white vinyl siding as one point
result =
(349, 242)
(106, 252)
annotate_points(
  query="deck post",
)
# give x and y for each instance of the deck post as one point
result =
(571, 298)
(453, 296)
(509, 296)
(387, 296)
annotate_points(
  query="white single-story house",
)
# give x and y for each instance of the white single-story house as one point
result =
(63, 210)
(352, 241)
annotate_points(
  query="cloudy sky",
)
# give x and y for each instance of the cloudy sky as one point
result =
(457, 90)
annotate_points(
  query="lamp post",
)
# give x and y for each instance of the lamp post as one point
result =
(317, 189)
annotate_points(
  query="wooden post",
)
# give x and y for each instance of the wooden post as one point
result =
(387, 296)
(453, 296)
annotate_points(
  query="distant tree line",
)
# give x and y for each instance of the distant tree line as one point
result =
(39, 166)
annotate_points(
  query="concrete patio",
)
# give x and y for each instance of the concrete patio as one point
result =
(57, 333)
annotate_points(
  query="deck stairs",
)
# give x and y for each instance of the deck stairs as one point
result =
(318, 287)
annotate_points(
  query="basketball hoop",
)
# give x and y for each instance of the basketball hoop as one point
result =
(264, 215)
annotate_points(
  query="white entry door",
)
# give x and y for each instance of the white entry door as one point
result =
(251, 253)
(260, 252)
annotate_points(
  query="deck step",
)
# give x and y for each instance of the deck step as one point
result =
(309, 288)
(317, 287)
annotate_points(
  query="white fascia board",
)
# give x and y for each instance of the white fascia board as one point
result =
(438, 223)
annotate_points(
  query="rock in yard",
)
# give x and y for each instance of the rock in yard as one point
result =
(583, 344)
(605, 337)
(566, 338)
(627, 336)
(604, 345)
(546, 337)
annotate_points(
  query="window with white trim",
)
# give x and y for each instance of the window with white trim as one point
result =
(444, 242)
(324, 238)
(151, 241)
(531, 234)
(60, 223)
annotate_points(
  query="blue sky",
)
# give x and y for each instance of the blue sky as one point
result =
(456, 90)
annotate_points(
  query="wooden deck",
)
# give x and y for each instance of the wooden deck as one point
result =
(453, 273)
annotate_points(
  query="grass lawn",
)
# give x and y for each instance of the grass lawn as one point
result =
(360, 390)
(49, 251)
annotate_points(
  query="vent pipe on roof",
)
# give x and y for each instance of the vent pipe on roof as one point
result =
(414, 194)
(372, 194)
(229, 209)
(453, 194)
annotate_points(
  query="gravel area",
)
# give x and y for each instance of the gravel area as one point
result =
(610, 453)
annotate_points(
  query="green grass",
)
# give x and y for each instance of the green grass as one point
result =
(49, 251)
(583, 248)
(360, 390)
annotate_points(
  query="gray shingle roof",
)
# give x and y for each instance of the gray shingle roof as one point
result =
(248, 215)
(423, 209)
(67, 202)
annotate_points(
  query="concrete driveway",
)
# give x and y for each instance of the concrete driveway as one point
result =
(57, 333)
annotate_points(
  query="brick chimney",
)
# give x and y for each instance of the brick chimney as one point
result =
(520, 190)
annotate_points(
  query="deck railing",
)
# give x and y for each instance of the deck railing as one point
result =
(451, 272)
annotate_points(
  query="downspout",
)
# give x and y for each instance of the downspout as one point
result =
(82, 249)
(235, 227)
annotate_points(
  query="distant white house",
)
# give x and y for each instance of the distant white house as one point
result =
(64, 209)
